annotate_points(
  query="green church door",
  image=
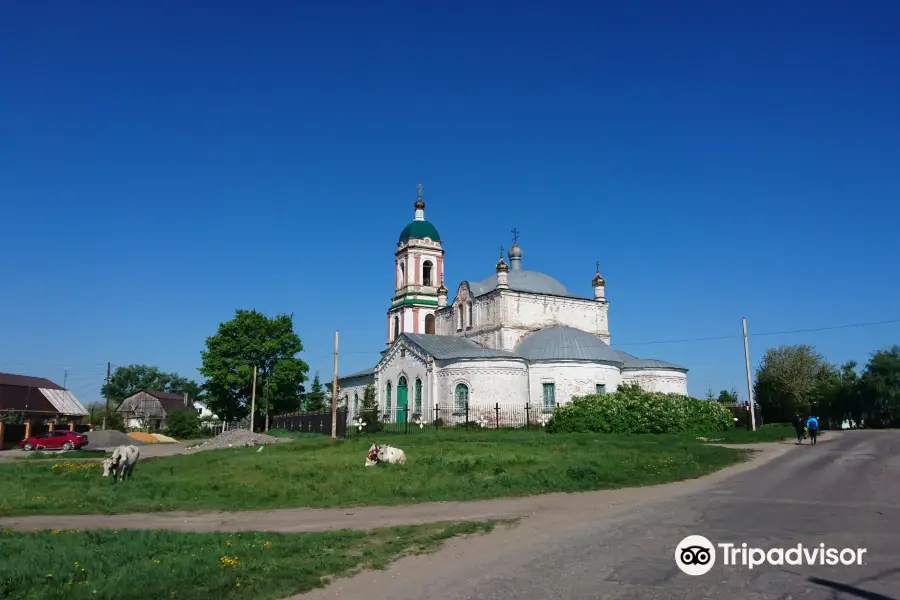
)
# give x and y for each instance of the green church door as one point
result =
(402, 400)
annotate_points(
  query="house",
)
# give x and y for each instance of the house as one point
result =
(149, 408)
(36, 398)
(204, 414)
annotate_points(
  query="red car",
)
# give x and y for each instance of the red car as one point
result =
(54, 440)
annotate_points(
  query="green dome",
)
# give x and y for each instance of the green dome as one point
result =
(418, 230)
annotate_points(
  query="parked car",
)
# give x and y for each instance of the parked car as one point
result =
(54, 440)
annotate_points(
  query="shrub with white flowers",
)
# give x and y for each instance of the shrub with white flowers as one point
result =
(632, 410)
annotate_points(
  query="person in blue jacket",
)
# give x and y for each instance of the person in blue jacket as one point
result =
(812, 425)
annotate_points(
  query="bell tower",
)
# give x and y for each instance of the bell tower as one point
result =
(418, 273)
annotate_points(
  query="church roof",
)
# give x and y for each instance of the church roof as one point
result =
(521, 280)
(632, 362)
(566, 343)
(418, 230)
(451, 346)
(364, 373)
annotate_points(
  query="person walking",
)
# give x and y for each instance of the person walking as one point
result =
(812, 425)
(798, 427)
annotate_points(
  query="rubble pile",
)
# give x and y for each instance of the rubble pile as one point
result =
(235, 438)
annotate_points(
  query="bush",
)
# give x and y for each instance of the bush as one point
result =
(183, 424)
(631, 410)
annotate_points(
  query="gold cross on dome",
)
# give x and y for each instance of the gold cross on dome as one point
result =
(598, 266)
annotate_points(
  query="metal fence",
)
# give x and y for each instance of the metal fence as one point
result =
(482, 416)
(312, 422)
(741, 412)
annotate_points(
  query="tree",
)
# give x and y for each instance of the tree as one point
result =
(129, 380)
(787, 379)
(726, 397)
(315, 400)
(710, 395)
(183, 424)
(251, 340)
(837, 396)
(368, 411)
(880, 388)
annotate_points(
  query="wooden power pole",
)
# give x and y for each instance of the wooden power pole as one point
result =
(267, 403)
(750, 404)
(334, 390)
(106, 416)
(253, 399)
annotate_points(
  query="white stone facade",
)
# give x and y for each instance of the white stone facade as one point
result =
(479, 340)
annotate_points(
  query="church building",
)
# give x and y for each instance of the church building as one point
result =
(514, 337)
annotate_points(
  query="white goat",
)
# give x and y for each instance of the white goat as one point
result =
(121, 463)
(381, 453)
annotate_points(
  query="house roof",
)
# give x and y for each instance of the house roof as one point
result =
(28, 381)
(566, 343)
(36, 394)
(451, 346)
(632, 362)
(167, 402)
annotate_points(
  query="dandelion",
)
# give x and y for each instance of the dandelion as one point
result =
(55, 532)
(156, 561)
(229, 562)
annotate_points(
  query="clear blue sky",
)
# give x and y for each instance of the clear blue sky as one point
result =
(164, 163)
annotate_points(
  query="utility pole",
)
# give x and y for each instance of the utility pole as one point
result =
(267, 403)
(106, 416)
(253, 399)
(750, 404)
(334, 390)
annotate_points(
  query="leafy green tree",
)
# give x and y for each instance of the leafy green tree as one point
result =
(787, 379)
(368, 410)
(252, 339)
(728, 397)
(129, 380)
(315, 400)
(880, 388)
(183, 424)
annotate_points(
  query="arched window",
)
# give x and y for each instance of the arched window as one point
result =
(417, 407)
(426, 273)
(429, 324)
(396, 328)
(387, 398)
(461, 398)
(459, 317)
(346, 400)
(402, 274)
(469, 314)
(356, 404)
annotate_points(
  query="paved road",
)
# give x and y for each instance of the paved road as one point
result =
(845, 492)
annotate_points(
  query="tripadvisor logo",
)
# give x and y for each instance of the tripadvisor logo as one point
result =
(696, 555)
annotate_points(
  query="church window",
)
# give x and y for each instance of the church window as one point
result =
(429, 324)
(469, 314)
(549, 400)
(418, 402)
(402, 274)
(459, 317)
(426, 273)
(356, 404)
(462, 398)
(601, 389)
(396, 327)
(387, 400)
(402, 352)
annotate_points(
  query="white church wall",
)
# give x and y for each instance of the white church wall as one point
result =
(402, 362)
(657, 380)
(533, 311)
(570, 379)
(489, 382)
(355, 387)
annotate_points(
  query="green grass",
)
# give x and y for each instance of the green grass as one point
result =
(144, 565)
(775, 432)
(321, 473)
(67, 455)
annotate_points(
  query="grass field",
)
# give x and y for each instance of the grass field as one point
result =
(767, 433)
(316, 472)
(76, 454)
(144, 565)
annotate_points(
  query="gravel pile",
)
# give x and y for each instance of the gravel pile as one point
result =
(109, 438)
(235, 438)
